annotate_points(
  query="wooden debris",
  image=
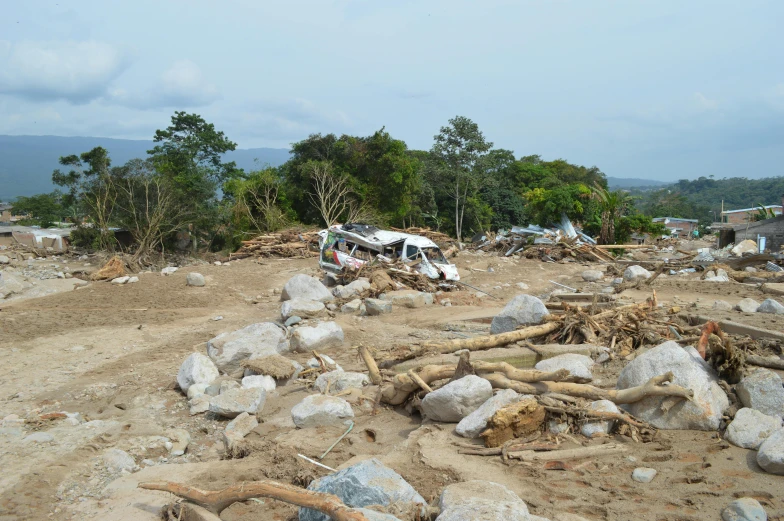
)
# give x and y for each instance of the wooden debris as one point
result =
(514, 421)
(114, 268)
(568, 454)
(288, 243)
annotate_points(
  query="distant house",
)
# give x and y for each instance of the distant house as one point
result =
(678, 226)
(746, 215)
(769, 231)
(5, 213)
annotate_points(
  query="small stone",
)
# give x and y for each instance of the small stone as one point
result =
(522, 285)
(482, 501)
(747, 305)
(592, 428)
(337, 381)
(4, 259)
(238, 428)
(770, 306)
(117, 460)
(592, 275)
(750, 428)
(408, 298)
(643, 474)
(120, 280)
(744, 509)
(770, 455)
(318, 410)
(377, 307)
(195, 279)
(356, 287)
(722, 305)
(234, 402)
(261, 381)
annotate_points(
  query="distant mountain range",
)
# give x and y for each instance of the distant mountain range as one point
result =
(26, 162)
(616, 183)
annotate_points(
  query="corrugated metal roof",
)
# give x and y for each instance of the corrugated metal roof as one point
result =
(774, 206)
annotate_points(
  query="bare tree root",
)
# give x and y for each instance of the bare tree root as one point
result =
(520, 375)
(218, 500)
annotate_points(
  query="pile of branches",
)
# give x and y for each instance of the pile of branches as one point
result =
(561, 250)
(287, 243)
(392, 276)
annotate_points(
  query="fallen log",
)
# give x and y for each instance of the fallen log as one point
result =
(568, 454)
(218, 500)
(761, 361)
(487, 342)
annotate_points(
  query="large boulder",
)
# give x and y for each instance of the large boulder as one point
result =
(770, 306)
(599, 427)
(233, 402)
(636, 273)
(522, 310)
(750, 428)
(408, 298)
(305, 287)
(196, 369)
(265, 382)
(456, 400)
(473, 424)
(770, 455)
(317, 410)
(762, 390)
(744, 509)
(321, 336)
(747, 246)
(302, 308)
(195, 279)
(592, 275)
(338, 381)
(366, 483)
(579, 366)
(703, 412)
(481, 501)
(227, 350)
(352, 289)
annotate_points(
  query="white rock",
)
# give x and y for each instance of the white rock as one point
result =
(234, 402)
(180, 440)
(376, 306)
(351, 307)
(330, 364)
(321, 336)
(196, 369)
(473, 424)
(338, 381)
(704, 412)
(261, 381)
(133, 280)
(762, 390)
(356, 287)
(770, 455)
(4, 259)
(747, 305)
(168, 270)
(522, 310)
(747, 246)
(579, 366)
(117, 460)
(195, 279)
(722, 305)
(317, 410)
(407, 298)
(522, 285)
(592, 275)
(199, 404)
(305, 287)
(238, 428)
(197, 390)
(120, 280)
(593, 428)
(227, 350)
(38, 437)
(644, 474)
(744, 509)
(456, 400)
(636, 273)
(481, 501)
(750, 428)
(302, 308)
(770, 306)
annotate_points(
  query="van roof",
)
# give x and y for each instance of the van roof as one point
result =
(386, 237)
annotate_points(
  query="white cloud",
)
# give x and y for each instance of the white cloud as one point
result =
(59, 70)
(181, 85)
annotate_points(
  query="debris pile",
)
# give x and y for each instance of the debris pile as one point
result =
(288, 243)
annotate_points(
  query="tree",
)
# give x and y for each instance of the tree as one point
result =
(458, 149)
(44, 209)
(331, 194)
(259, 205)
(612, 206)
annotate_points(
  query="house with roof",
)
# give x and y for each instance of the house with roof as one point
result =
(747, 215)
(678, 226)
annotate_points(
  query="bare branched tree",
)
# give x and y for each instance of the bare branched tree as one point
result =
(257, 201)
(332, 195)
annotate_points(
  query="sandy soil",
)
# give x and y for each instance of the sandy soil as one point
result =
(111, 354)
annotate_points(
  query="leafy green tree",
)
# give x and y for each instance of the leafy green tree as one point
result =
(43, 209)
(458, 152)
(612, 206)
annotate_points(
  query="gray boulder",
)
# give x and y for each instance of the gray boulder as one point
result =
(770, 455)
(372, 515)
(762, 390)
(408, 298)
(352, 289)
(302, 308)
(233, 402)
(305, 287)
(456, 400)
(579, 366)
(481, 501)
(473, 424)
(351, 307)
(750, 428)
(317, 410)
(704, 412)
(195, 279)
(636, 273)
(522, 310)
(592, 275)
(199, 404)
(338, 381)
(744, 509)
(265, 382)
(376, 306)
(366, 483)
(11, 283)
(227, 350)
(321, 336)
(4, 259)
(593, 428)
(747, 305)
(770, 306)
(196, 369)
(238, 428)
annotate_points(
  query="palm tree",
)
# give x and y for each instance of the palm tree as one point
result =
(612, 206)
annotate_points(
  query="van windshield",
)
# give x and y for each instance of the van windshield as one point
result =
(434, 255)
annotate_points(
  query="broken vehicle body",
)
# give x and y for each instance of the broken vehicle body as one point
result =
(352, 245)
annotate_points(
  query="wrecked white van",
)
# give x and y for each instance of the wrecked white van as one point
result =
(353, 245)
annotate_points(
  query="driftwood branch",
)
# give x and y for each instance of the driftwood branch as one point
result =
(765, 362)
(490, 341)
(370, 362)
(218, 500)
(567, 454)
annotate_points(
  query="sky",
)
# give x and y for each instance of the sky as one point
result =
(654, 89)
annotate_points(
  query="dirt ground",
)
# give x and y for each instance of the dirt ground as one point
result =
(111, 353)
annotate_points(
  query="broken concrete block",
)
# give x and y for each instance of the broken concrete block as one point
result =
(750, 428)
(579, 366)
(305, 287)
(522, 310)
(196, 369)
(377, 306)
(747, 305)
(473, 424)
(456, 400)
(762, 390)
(318, 410)
(195, 279)
(322, 336)
(367, 483)
(704, 412)
(227, 350)
(636, 273)
(302, 308)
(338, 381)
(234, 402)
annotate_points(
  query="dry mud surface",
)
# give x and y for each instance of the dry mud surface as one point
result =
(111, 354)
